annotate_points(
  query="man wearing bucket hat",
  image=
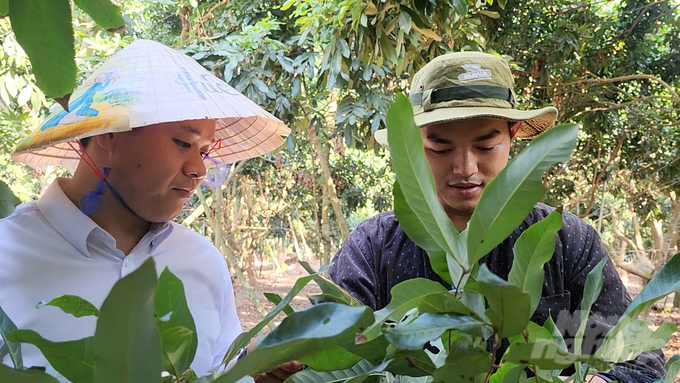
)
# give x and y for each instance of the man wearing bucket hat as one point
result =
(464, 105)
(136, 136)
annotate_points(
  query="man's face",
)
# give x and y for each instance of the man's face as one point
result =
(465, 156)
(155, 169)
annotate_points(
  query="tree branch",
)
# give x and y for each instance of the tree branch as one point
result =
(633, 77)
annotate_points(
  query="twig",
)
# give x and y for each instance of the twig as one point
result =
(494, 349)
(670, 89)
(209, 14)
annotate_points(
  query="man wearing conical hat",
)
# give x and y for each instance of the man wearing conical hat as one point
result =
(136, 137)
(465, 107)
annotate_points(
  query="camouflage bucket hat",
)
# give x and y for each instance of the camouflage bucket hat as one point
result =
(464, 85)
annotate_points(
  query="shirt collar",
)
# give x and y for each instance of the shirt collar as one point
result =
(65, 217)
(76, 227)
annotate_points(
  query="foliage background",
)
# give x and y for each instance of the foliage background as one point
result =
(330, 68)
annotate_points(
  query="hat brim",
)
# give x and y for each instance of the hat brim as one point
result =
(534, 122)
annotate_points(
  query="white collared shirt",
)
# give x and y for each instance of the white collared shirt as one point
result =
(49, 248)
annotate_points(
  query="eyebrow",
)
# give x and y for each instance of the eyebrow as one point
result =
(436, 139)
(488, 136)
(433, 137)
(193, 131)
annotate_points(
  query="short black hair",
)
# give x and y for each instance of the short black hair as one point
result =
(85, 141)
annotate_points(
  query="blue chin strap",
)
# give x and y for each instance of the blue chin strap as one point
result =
(92, 202)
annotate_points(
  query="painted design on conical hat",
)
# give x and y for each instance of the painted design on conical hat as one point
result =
(148, 83)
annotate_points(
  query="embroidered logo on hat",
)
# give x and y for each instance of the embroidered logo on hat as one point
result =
(474, 72)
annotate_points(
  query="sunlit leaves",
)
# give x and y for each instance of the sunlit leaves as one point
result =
(44, 30)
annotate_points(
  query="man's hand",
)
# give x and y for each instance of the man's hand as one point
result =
(589, 379)
(279, 374)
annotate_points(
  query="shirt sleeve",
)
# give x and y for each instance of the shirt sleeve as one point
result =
(584, 250)
(353, 268)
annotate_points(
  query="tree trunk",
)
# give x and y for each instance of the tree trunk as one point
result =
(298, 253)
(308, 255)
(330, 186)
(231, 258)
(325, 227)
(599, 220)
(676, 300)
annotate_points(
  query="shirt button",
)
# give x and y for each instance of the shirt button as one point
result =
(126, 262)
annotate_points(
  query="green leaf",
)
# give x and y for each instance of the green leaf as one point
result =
(361, 369)
(591, 291)
(634, 339)
(179, 339)
(177, 343)
(127, 345)
(536, 333)
(8, 201)
(373, 351)
(465, 363)
(276, 299)
(7, 374)
(460, 6)
(416, 180)
(427, 327)
(388, 49)
(4, 8)
(103, 12)
(9, 347)
(532, 250)
(73, 359)
(672, 368)
(512, 194)
(406, 295)
(445, 302)
(549, 356)
(244, 338)
(411, 363)
(509, 307)
(663, 283)
(556, 334)
(508, 373)
(302, 334)
(74, 305)
(491, 14)
(44, 30)
(475, 301)
(414, 229)
(336, 358)
(329, 287)
(417, 232)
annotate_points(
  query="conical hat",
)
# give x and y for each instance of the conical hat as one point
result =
(148, 83)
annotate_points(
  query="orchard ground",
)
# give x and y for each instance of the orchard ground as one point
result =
(281, 281)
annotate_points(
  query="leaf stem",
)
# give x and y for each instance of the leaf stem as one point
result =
(494, 349)
(525, 333)
(458, 287)
(412, 364)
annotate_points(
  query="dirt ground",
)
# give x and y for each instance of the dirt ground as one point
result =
(281, 281)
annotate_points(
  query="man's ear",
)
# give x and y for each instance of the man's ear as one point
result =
(514, 128)
(105, 141)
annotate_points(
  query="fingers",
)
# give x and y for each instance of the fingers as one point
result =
(279, 374)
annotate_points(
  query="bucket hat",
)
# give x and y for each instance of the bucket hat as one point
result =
(148, 83)
(464, 85)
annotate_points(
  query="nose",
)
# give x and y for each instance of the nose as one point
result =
(194, 166)
(464, 163)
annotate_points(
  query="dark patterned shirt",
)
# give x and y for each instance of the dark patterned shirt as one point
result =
(378, 255)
